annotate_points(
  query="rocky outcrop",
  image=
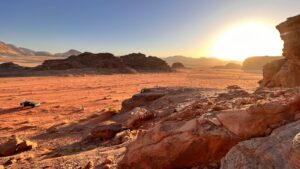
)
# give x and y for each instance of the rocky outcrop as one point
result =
(86, 60)
(128, 63)
(285, 73)
(10, 66)
(183, 129)
(258, 62)
(141, 63)
(16, 145)
(177, 65)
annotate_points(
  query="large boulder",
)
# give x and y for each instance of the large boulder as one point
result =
(280, 150)
(285, 73)
(16, 145)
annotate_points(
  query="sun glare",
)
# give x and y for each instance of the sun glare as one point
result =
(245, 40)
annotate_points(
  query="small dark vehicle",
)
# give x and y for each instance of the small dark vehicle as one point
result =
(29, 104)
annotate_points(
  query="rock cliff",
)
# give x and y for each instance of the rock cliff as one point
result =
(285, 72)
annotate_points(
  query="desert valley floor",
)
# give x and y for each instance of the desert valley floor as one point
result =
(79, 101)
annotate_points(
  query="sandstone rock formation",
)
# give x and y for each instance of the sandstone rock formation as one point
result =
(141, 63)
(285, 72)
(177, 65)
(85, 60)
(10, 66)
(258, 62)
(89, 63)
(16, 145)
(280, 150)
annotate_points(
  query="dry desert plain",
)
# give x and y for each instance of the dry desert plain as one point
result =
(78, 102)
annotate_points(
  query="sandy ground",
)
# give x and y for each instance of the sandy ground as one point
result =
(78, 100)
(28, 61)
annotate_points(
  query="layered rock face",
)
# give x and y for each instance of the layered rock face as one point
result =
(285, 72)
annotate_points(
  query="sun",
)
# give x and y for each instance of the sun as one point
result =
(245, 40)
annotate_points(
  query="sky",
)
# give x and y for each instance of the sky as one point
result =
(154, 27)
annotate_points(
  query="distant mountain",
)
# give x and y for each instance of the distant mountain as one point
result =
(228, 66)
(195, 62)
(68, 53)
(7, 50)
(257, 62)
(12, 50)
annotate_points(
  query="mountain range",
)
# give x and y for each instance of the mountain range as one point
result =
(197, 62)
(12, 50)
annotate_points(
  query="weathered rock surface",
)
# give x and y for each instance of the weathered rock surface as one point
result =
(280, 150)
(285, 73)
(16, 145)
(186, 131)
(105, 132)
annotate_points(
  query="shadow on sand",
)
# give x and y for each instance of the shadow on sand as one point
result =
(13, 110)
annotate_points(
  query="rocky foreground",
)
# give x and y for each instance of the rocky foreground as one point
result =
(179, 128)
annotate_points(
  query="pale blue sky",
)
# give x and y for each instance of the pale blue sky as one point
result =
(154, 27)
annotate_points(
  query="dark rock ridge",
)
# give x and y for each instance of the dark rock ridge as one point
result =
(177, 65)
(10, 66)
(258, 62)
(84, 60)
(103, 63)
(285, 72)
(141, 63)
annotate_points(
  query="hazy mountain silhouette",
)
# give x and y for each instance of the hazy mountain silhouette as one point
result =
(196, 62)
(12, 50)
